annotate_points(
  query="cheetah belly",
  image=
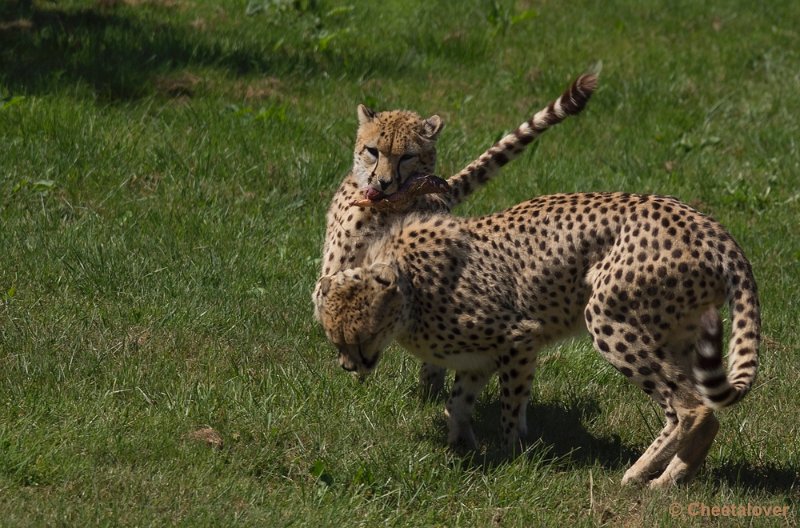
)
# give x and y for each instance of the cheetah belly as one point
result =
(468, 359)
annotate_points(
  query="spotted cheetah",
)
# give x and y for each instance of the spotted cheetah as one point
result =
(395, 147)
(645, 275)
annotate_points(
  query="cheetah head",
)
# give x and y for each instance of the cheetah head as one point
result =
(361, 310)
(392, 148)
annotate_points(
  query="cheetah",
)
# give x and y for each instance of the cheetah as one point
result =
(393, 149)
(645, 275)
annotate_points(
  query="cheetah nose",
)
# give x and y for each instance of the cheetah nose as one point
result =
(346, 364)
(384, 184)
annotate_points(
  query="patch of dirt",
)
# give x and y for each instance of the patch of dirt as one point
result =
(137, 337)
(181, 85)
(260, 89)
(774, 344)
(145, 184)
(700, 205)
(207, 435)
(21, 24)
(533, 75)
(198, 23)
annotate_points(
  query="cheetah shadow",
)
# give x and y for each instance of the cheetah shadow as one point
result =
(769, 478)
(555, 432)
(557, 436)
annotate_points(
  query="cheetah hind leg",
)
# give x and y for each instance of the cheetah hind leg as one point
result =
(681, 449)
(632, 357)
(655, 458)
(686, 419)
(431, 381)
(678, 452)
(694, 449)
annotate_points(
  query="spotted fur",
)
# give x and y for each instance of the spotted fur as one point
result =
(645, 275)
(392, 146)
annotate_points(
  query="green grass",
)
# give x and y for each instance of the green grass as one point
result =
(165, 168)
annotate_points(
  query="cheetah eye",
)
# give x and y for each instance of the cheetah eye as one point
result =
(372, 151)
(407, 157)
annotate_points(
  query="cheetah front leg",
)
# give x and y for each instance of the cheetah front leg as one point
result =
(431, 380)
(466, 388)
(516, 375)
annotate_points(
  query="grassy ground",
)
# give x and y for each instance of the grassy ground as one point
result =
(165, 167)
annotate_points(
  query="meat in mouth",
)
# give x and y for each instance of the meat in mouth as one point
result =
(414, 186)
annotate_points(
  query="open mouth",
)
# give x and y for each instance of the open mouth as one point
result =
(416, 185)
(373, 194)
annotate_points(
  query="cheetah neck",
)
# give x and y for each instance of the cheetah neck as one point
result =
(351, 230)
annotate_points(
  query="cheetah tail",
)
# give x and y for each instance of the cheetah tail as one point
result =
(718, 387)
(480, 171)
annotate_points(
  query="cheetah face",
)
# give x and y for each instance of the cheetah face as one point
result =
(391, 148)
(360, 309)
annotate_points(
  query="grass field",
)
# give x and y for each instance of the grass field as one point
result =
(165, 168)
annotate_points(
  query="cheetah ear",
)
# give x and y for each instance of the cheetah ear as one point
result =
(365, 114)
(384, 275)
(324, 285)
(432, 126)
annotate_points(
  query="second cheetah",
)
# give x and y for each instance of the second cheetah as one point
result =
(395, 147)
(645, 275)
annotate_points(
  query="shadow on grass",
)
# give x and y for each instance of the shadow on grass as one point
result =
(117, 52)
(558, 431)
(118, 48)
(769, 478)
(112, 52)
